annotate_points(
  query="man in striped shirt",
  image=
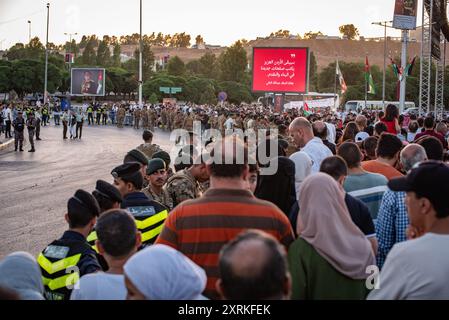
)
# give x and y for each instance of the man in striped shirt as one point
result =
(365, 186)
(200, 228)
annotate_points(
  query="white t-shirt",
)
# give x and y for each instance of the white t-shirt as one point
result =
(229, 124)
(331, 132)
(317, 151)
(100, 286)
(303, 168)
(416, 269)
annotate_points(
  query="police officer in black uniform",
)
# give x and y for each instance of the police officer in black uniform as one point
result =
(149, 214)
(65, 260)
(108, 197)
(90, 115)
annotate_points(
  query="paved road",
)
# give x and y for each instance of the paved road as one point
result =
(35, 187)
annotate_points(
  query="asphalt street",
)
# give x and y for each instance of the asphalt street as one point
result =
(35, 187)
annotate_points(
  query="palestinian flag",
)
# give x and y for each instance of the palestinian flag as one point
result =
(409, 68)
(371, 89)
(306, 109)
(341, 79)
(396, 70)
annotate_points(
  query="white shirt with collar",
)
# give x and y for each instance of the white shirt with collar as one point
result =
(317, 151)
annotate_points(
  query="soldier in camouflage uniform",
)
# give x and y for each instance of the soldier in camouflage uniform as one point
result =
(144, 117)
(157, 177)
(136, 118)
(120, 117)
(164, 118)
(186, 184)
(179, 120)
(148, 148)
(151, 118)
(188, 123)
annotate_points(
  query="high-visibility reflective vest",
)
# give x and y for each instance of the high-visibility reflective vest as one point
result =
(149, 222)
(91, 238)
(58, 263)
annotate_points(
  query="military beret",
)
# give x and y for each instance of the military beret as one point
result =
(162, 155)
(136, 156)
(108, 190)
(83, 202)
(155, 165)
(126, 170)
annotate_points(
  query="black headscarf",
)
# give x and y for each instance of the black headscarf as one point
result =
(279, 188)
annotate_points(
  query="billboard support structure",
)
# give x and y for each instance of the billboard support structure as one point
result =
(426, 57)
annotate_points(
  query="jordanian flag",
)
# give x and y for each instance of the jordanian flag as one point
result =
(369, 79)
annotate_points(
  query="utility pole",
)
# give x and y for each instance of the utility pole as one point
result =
(385, 25)
(403, 66)
(70, 49)
(46, 55)
(29, 31)
(140, 58)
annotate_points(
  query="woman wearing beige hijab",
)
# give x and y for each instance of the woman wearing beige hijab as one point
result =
(330, 258)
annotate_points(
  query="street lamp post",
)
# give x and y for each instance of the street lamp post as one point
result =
(46, 55)
(70, 46)
(384, 24)
(140, 58)
(29, 31)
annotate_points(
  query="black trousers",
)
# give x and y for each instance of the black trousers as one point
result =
(64, 129)
(105, 118)
(90, 118)
(98, 118)
(38, 128)
(8, 129)
(79, 127)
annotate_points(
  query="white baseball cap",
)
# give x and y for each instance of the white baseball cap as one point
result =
(361, 136)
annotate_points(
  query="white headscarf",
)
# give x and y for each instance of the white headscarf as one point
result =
(20, 272)
(160, 272)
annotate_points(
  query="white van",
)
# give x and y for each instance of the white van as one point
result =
(359, 105)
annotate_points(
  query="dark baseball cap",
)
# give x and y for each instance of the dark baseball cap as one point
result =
(429, 180)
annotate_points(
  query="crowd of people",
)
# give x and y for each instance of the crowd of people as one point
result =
(358, 208)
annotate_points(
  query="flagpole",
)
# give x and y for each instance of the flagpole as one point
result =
(366, 81)
(403, 67)
(335, 83)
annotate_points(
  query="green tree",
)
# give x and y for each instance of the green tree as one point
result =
(312, 35)
(199, 40)
(176, 66)
(280, 34)
(103, 54)
(349, 31)
(313, 72)
(116, 55)
(147, 61)
(208, 66)
(153, 99)
(193, 67)
(89, 57)
(233, 63)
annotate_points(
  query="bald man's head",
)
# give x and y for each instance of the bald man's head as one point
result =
(253, 266)
(301, 131)
(320, 130)
(411, 155)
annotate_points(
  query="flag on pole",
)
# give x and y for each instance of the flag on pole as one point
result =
(409, 68)
(396, 70)
(306, 109)
(341, 79)
(371, 89)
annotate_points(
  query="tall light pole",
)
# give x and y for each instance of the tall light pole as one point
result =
(46, 55)
(140, 58)
(384, 24)
(70, 47)
(29, 31)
